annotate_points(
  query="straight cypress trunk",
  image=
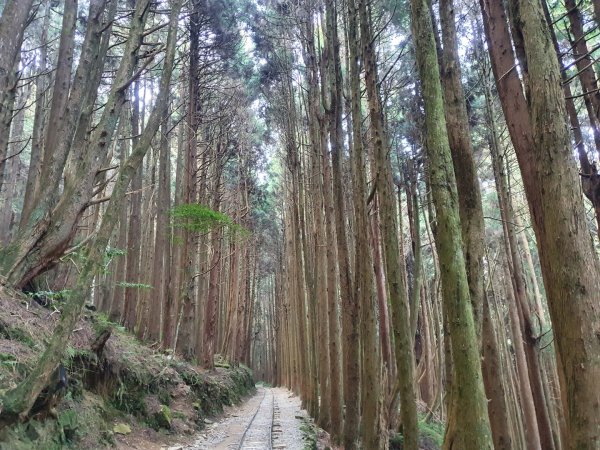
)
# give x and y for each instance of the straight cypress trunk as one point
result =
(18, 401)
(162, 245)
(472, 424)
(403, 340)
(363, 263)
(315, 118)
(350, 305)
(14, 19)
(39, 117)
(134, 230)
(569, 263)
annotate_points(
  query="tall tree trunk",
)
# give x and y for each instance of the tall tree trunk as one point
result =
(186, 338)
(13, 22)
(351, 307)
(18, 401)
(336, 375)
(385, 195)
(315, 118)
(171, 307)
(541, 141)
(162, 245)
(39, 117)
(363, 263)
(60, 98)
(472, 424)
(134, 220)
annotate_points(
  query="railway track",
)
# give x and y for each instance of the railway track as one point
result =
(258, 433)
(268, 421)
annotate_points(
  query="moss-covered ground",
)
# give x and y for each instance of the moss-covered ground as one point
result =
(127, 389)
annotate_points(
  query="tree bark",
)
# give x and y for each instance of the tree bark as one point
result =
(385, 194)
(472, 424)
(541, 141)
(18, 401)
(13, 22)
(350, 305)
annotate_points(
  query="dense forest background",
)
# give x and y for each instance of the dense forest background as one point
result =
(391, 207)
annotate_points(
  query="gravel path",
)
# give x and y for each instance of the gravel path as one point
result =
(288, 416)
(271, 419)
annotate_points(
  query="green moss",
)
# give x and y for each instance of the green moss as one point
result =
(16, 334)
(68, 425)
(129, 397)
(164, 396)
(161, 418)
(309, 434)
(47, 435)
(431, 436)
(211, 392)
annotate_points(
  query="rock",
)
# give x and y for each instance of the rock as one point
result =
(180, 427)
(122, 428)
(163, 417)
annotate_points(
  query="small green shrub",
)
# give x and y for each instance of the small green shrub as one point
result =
(201, 219)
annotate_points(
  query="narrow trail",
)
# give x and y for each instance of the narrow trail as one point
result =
(270, 420)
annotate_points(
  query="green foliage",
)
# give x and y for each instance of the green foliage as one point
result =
(101, 322)
(68, 425)
(50, 297)
(198, 218)
(161, 418)
(44, 435)
(7, 359)
(129, 398)
(433, 430)
(431, 436)
(111, 253)
(309, 433)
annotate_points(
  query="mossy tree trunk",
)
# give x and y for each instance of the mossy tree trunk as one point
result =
(569, 263)
(472, 429)
(51, 226)
(364, 287)
(13, 22)
(403, 341)
(17, 402)
(349, 304)
(469, 196)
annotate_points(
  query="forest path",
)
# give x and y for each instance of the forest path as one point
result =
(271, 419)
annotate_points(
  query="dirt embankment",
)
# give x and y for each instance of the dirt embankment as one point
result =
(119, 391)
